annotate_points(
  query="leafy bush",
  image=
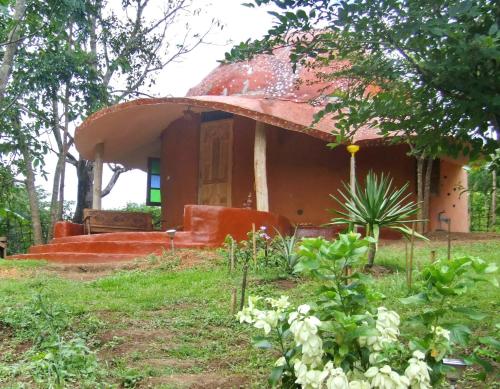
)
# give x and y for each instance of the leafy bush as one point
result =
(375, 206)
(346, 339)
(154, 211)
(278, 252)
(58, 358)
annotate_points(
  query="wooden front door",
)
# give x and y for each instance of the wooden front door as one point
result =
(216, 152)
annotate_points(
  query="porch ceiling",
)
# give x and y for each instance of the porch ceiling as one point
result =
(131, 131)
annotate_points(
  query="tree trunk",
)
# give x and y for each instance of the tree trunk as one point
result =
(57, 173)
(11, 46)
(420, 186)
(427, 193)
(493, 205)
(85, 173)
(64, 153)
(372, 250)
(33, 197)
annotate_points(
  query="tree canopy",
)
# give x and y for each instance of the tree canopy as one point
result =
(437, 58)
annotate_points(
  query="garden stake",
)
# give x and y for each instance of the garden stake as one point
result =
(233, 300)
(406, 259)
(231, 257)
(254, 246)
(244, 285)
(449, 239)
(412, 244)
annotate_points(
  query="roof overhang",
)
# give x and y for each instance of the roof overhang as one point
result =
(131, 131)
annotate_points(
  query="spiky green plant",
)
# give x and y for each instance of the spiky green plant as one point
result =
(374, 206)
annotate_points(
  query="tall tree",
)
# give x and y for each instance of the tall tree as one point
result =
(450, 47)
(88, 54)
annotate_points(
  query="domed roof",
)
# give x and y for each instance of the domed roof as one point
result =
(266, 88)
(270, 76)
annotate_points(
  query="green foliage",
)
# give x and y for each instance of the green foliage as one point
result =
(375, 206)
(57, 357)
(347, 330)
(442, 284)
(285, 248)
(278, 252)
(480, 188)
(155, 212)
(150, 315)
(436, 62)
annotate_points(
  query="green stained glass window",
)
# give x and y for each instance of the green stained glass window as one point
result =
(154, 193)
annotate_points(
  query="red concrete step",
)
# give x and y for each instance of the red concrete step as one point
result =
(76, 257)
(152, 236)
(108, 247)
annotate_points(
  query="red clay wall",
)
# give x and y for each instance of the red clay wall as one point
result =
(452, 198)
(179, 168)
(302, 172)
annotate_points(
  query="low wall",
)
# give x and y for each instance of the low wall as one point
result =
(64, 229)
(211, 224)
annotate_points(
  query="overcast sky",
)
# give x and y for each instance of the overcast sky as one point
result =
(240, 23)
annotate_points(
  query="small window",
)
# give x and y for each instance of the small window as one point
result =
(154, 194)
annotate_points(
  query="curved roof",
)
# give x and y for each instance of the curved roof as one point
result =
(265, 89)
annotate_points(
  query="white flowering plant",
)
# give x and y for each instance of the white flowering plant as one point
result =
(345, 339)
(441, 285)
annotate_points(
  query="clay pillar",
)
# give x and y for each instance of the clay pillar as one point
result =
(97, 187)
(260, 170)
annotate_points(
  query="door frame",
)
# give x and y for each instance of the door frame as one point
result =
(221, 122)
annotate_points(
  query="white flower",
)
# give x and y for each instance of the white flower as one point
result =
(252, 301)
(266, 320)
(306, 335)
(373, 358)
(308, 379)
(419, 354)
(359, 384)
(281, 304)
(386, 378)
(441, 332)
(336, 377)
(245, 316)
(303, 309)
(387, 318)
(417, 372)
(280, 362)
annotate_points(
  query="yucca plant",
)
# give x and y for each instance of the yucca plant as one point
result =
(376, 205)
(285, 246)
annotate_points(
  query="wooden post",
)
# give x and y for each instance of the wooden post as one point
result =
(412, 245)
(254, 246)
(233, 300)
(406, 258)
(231, 256)
(97, 187)
(449, 239)
(244, 284)
(260, 169)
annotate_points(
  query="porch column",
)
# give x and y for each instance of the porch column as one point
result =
(97, 187)
(260, 170)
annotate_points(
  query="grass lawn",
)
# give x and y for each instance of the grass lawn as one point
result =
(156, 324)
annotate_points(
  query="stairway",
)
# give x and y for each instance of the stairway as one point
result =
(109, 247)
